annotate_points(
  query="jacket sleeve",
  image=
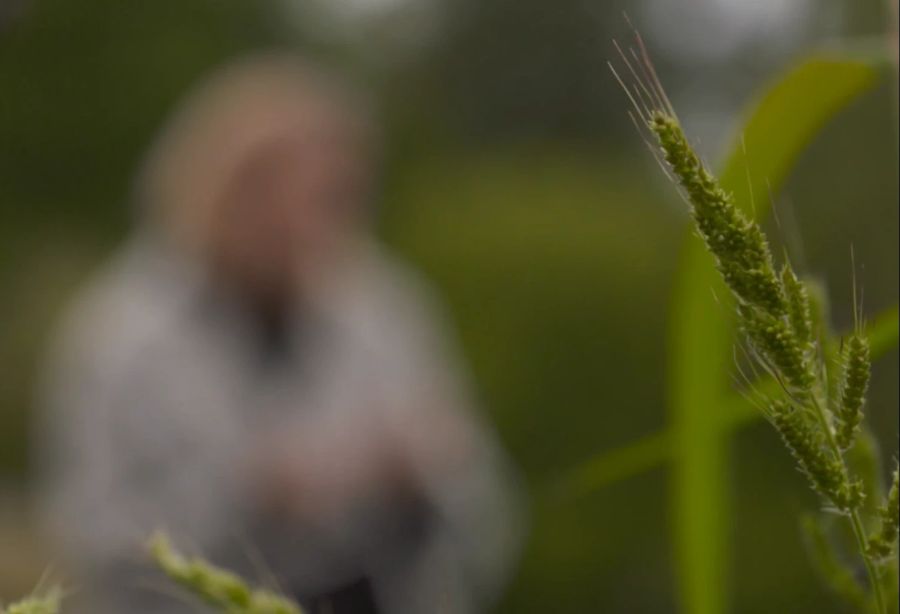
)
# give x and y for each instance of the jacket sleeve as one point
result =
(89, 415)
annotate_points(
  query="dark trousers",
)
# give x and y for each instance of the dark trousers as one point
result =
(354, 598)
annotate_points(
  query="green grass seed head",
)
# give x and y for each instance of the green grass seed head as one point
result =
(774, 310)
(825, 472)
(44, 603)
(214, 586)
(742, 253)
(856, 368)
(783, 318)
(881, 545)
(217, 587)
(777, 343)
(798, 305)
(819, 309)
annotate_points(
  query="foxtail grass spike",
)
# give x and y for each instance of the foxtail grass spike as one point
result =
(742, 253)
(784, 320)
(818, 308)
(864, 459)
(798, 305)
(45, 603)
(856, 362)
(881, 545)
(775, 340)
(825, 472)
(217, 587)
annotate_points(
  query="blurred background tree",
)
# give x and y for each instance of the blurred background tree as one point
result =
(515, 181)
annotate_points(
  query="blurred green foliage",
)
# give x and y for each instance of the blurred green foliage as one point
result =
(547, 234)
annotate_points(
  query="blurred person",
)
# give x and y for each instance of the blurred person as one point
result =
(255, 375)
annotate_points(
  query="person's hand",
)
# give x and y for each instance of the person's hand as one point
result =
(314, 475)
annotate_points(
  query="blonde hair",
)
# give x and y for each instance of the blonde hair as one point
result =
(237, 110)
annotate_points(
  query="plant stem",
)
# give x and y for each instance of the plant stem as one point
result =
(860, 534)
(855, 520)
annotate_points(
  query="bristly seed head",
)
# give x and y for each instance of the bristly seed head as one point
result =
(783, 319)
(217, 587)
(826, 473)
(856, 362)
(798, 305)
(742, 253)
(776, 342)
(881, 544)
(44, 603)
